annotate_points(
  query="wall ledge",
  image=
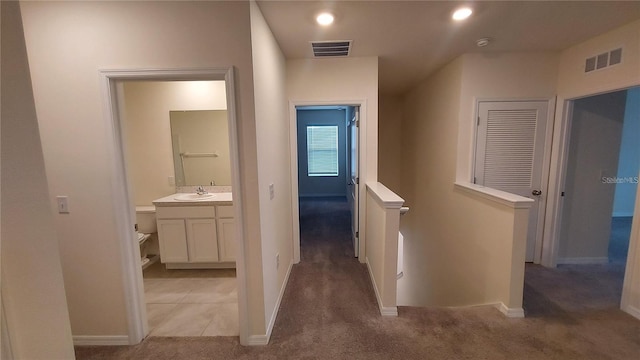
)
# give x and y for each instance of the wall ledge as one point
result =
(387, 198)
(498, 196)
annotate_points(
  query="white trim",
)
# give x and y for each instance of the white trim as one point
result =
(6, 351)
(257, 340)
(583, 260)
(503, 198)
(510, 312)
(100, 340)
(362, 164)
(122, 206)
(276, 308)
(384, 310)
(633, 311)
(385, 197)
(623, 214)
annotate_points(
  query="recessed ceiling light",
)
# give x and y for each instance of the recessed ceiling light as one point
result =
(325, 19)
(461, 14)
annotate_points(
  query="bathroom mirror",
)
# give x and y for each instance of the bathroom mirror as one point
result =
(200, 141)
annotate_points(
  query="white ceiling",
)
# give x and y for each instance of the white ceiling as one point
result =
(414, 38)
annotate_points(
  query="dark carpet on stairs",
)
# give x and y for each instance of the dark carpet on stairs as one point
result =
(329, 312)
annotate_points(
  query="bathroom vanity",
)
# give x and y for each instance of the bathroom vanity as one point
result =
(196, 232)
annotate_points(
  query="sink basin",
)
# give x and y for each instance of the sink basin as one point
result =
(194, 197)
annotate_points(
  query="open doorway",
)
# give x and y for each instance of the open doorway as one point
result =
(187, 241)
(598, 201)
(176, 139)
(327, 155)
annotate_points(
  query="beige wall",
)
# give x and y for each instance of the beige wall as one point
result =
(33, 295)
(390, 141)
(147, 130)
(594, 147)
(573, 82)
(458, 249)
(272, 135)
(499, 76)
(68, 43)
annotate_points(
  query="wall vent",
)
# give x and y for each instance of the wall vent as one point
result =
(331, 48)
(601, 61)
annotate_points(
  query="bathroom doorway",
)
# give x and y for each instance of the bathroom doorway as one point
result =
(198, 295)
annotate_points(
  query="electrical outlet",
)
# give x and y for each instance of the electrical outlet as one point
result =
(63, 204)
(277, 260)
(171, 180)
(271, 191)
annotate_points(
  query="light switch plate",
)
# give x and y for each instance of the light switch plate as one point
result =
(63, 204)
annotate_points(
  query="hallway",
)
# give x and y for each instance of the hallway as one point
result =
(329, 312)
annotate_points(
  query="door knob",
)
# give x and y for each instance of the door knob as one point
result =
(536, 192)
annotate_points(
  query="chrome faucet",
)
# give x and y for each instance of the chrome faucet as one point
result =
(201, 190)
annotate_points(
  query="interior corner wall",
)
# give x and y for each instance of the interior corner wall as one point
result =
(272, 136)
(33, 297)
(594, 146)
(459, 250)
(68, 43)
(629, 160)
(390, 141)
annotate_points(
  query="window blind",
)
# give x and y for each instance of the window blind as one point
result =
(322, 150)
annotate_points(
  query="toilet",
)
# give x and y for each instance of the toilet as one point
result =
(146, 219)
(147, 235)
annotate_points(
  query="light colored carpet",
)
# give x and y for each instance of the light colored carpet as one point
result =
(329, 312)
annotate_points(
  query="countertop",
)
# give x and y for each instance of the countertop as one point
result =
(223, 198)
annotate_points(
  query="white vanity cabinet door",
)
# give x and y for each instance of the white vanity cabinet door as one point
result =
(227, 239)
(173, 241)
(202, 240)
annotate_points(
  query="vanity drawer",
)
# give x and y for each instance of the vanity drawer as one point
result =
(225, 211)
(181, 212)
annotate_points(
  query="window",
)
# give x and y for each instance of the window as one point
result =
(322, 150)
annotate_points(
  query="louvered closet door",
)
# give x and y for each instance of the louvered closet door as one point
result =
(510, 152)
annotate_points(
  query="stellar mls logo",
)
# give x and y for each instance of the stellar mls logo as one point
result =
(620, 180)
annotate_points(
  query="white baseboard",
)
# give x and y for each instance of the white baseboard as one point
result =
(623, 214)
(633, 311)
(583, 260)
(510, 312)
(264, 339)
(100, 340)
(384, 310)
(257, 340)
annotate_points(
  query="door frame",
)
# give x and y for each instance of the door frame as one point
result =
(122, 209)
(546, 163)
(553, 218)
(293, 152)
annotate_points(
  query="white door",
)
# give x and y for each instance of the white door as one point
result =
(353, 179)
(510, 154)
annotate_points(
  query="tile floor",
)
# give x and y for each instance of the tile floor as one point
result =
(192, 306)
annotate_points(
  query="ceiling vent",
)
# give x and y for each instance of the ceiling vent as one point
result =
(601, 61)
(331, 48)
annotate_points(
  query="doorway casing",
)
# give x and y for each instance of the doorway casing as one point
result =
(557, 177)
(362, 156)
(121, 190)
